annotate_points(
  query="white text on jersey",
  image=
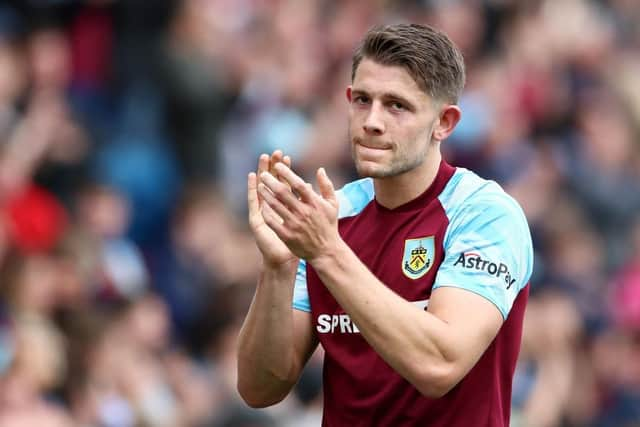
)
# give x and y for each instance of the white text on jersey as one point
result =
(333, 323)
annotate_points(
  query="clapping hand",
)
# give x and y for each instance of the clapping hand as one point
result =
(274, 251)
(306, 221)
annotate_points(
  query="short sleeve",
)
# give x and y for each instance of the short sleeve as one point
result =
(487, 245)
(300, 294)
(352, 198)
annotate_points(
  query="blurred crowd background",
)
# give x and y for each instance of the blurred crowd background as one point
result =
(127, 129)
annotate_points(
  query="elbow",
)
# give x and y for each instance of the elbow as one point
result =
(435, 391)
(258, 402)
(437, 380)
(256, 398)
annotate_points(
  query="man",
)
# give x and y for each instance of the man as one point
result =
(417, 292)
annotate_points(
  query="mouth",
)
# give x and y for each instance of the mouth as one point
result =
(371, 145)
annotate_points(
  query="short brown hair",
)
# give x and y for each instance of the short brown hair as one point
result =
(428, 55)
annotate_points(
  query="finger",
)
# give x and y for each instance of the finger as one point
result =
(263, 164)
(275, 204)
(276, 157)
(287, 161)
(252, 196)
(326, 186)
(281, 191)
(304, 190)
(273, 221)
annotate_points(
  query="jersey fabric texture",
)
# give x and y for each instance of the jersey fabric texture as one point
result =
(464, 232)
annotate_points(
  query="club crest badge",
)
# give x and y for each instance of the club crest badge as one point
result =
(418, 256)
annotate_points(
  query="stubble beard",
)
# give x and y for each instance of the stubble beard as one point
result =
(400, 163)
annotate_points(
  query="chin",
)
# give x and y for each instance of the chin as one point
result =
(371, 170)
(375, 164)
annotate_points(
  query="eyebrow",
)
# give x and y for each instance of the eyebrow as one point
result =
(387, 95)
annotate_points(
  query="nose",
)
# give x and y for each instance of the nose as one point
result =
(374, 123)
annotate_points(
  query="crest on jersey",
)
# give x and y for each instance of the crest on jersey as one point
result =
(418, 256)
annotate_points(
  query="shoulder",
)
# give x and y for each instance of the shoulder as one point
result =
(470, 200)
(354, 196)
(467, 192)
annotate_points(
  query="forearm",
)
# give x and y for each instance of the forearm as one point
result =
(266, 362)
(412, 341)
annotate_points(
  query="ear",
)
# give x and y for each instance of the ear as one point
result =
(449, 118)
(349, 93)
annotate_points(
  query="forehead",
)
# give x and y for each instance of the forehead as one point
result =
(378, 79)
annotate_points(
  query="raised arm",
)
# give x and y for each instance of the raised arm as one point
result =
(275, 340)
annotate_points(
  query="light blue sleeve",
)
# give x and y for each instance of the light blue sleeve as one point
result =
(487, 245)
(300, 294)
(352, 198)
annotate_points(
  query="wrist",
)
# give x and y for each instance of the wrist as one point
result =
(330, 257)
(280, 270)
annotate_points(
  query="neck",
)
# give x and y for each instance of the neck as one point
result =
(397, 190)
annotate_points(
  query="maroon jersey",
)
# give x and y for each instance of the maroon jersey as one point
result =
(462, 231)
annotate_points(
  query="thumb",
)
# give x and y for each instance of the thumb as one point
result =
(326, 186)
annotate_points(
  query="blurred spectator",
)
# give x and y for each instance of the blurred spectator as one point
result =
(126, 133)
(625, 287)
(105, 214)
(38, 359)
(209, 255)
(37, 367)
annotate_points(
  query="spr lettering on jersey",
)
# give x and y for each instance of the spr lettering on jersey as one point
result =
(475, 261)
(330, 323)
(342, 323)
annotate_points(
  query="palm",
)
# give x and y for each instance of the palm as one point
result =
(273, 250)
